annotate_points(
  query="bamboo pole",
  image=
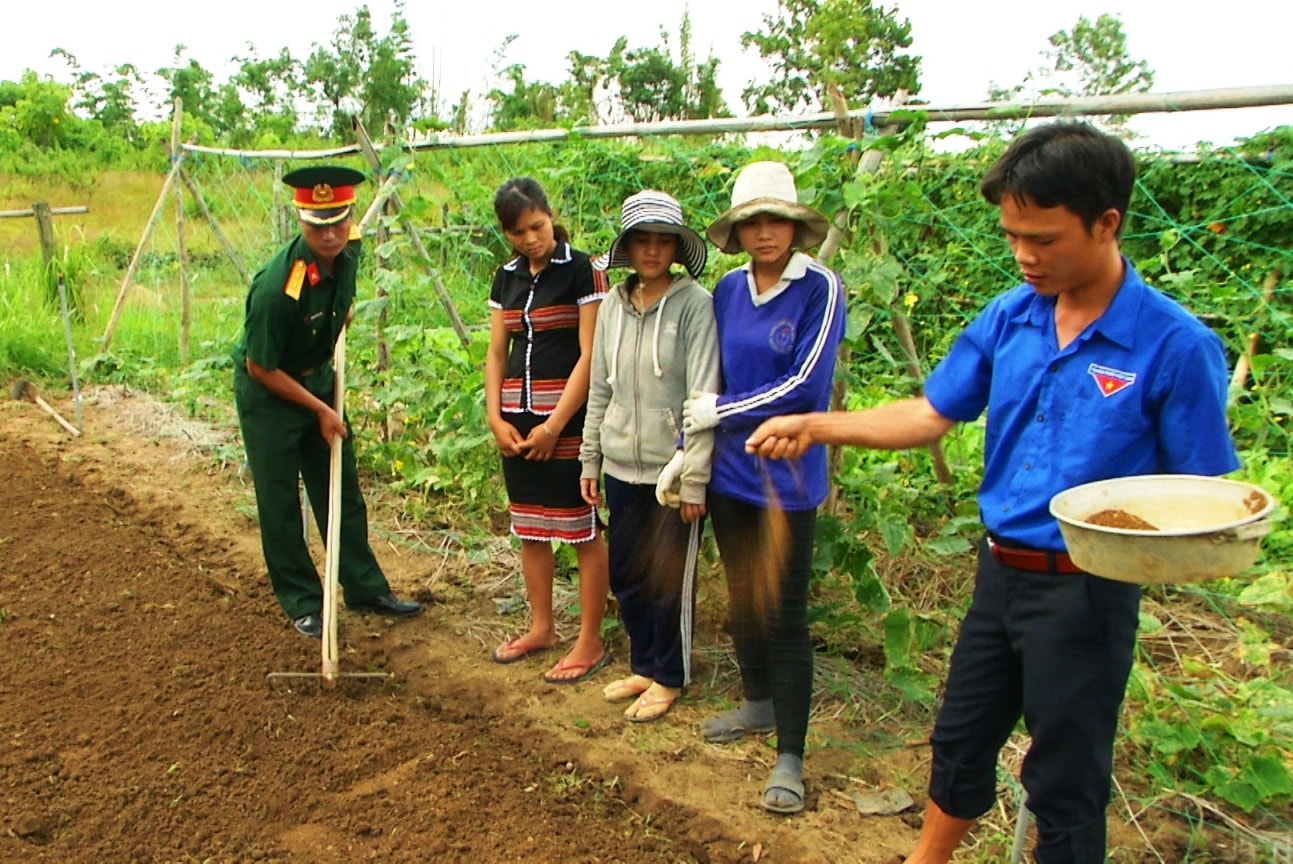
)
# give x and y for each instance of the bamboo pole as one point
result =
(185, 307)
(869, 163)
(1127, 103)
(387, 189)
(196, 191)
(415, 240)
(282, 224)
(54, 211)
(835, 237)
(391, 208)
(139, 250)
(1130, 103)
(902, 329)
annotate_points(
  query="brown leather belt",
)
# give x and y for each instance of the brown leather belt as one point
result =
(1036, 560)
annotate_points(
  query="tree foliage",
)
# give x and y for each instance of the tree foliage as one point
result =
(261, 96)
(521, 104)
(189, 82)
(815, 44)
(35, 110)
(362, 73)
(1089, 60)
(651, 86)
(109, 100)
(642, 84)
(1096, 53)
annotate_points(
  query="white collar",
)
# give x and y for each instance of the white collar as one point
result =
(796, 268)
(560, 255)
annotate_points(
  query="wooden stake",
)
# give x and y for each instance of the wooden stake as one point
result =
(71, 350)
(139, 251)
(185, 311)
(48, 246)
(1244, 363)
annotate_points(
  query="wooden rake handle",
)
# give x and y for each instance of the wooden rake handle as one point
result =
(332, 558)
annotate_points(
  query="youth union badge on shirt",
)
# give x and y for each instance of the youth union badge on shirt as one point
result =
(1110, 380)
(781, 338)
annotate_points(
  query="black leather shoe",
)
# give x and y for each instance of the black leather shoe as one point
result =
(387, 604)
(309, 625)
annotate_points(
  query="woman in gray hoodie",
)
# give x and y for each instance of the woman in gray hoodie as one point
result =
(655, 343)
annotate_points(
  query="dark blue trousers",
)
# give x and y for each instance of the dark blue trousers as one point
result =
(648, 553)
(1056, 649)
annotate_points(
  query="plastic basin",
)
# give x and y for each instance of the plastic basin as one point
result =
(1202, 527)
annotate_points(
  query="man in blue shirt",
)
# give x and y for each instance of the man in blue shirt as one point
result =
(1085, 373)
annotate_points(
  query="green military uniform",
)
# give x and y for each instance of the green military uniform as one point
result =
(295, 312)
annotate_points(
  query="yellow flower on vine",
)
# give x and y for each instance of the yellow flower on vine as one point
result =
(910, 300)
(398, 465)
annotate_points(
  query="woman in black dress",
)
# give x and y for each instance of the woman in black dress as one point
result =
(543, 310)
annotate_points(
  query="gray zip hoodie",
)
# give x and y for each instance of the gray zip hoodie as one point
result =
(644, 365)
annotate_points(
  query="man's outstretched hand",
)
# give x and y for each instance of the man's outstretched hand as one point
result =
(780, 438)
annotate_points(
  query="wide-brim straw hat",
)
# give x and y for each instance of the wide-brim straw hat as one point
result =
(767, 187)
(655, 211)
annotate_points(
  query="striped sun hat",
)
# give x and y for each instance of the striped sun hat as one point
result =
(651, 210)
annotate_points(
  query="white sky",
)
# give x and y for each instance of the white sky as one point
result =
(964, 46)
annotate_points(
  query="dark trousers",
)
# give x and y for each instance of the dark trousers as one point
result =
(1056, 649)
(648, 554)
(283, 442)
(770, 629)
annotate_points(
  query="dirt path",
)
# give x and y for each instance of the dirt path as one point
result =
(137, 629)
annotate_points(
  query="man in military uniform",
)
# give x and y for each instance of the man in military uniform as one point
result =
(283, 386)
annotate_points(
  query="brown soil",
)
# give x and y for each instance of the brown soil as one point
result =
(1119, 519)
(138, 722)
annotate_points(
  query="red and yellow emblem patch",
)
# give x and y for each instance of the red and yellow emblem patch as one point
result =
(1109, 380)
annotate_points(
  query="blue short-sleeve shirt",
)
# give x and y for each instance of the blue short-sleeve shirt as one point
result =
(1142, 390)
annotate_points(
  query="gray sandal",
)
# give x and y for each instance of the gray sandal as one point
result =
(750, 718)
(784, 791)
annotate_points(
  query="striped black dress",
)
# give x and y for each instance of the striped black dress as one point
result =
(541, 314)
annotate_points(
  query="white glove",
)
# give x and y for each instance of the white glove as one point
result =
(669, 484)
(700, 412)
